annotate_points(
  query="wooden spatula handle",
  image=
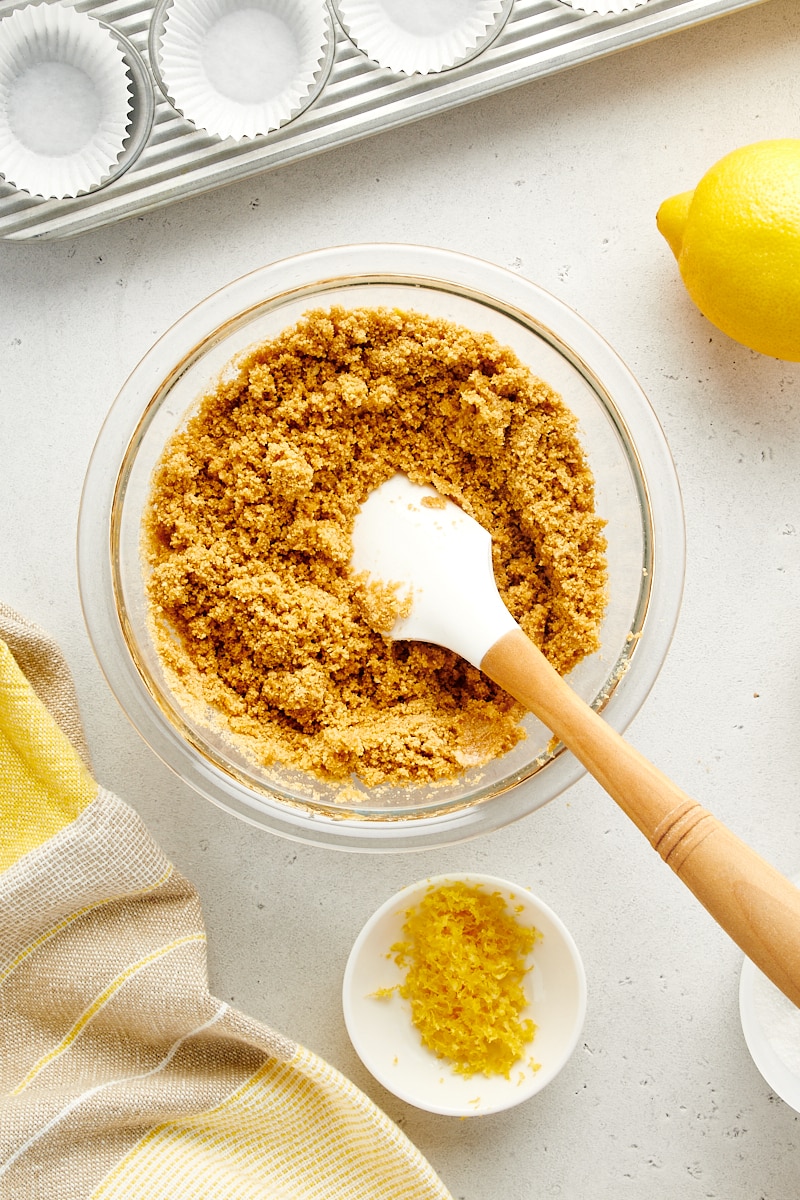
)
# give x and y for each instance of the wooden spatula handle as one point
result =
(751, 901)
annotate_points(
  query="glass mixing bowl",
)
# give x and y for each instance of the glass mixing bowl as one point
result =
(636, 492)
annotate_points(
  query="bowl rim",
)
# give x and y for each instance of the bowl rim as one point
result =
(571, 335)
(535, 909)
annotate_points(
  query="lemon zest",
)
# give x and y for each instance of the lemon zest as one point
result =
(465, 958)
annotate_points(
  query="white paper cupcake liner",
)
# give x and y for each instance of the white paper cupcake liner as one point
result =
(65, 99)
(604, 6)
(418, 36)
(240, 68)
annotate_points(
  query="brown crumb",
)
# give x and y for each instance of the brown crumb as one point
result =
(248, 542)
(380, 604)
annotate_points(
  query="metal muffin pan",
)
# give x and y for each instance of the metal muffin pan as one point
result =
(168, 159)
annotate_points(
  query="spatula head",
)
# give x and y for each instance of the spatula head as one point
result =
(409, 535)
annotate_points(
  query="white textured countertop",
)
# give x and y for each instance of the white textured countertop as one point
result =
(558, 180)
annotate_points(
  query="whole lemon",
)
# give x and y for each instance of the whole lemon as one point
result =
(737, 241)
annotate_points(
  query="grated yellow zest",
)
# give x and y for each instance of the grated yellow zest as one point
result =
(465, 956)
(383, 993)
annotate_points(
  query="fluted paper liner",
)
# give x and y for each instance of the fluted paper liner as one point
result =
(65, 98)
(240, 68)
(417, 36)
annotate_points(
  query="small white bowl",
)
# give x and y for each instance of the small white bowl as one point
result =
(771, 1028)
(391, 1048)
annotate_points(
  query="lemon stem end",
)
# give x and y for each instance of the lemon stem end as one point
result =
(671, 220)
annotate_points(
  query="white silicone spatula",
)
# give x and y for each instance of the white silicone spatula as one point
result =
(411, 536)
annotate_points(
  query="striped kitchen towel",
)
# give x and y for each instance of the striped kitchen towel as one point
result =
(120, 1075)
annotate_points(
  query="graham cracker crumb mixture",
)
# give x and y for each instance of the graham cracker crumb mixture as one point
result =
(248, 541)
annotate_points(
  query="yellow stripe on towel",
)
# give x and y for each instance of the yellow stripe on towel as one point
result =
(295, 1131)
(53, 931)
(98, 1003)
(44, 785)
